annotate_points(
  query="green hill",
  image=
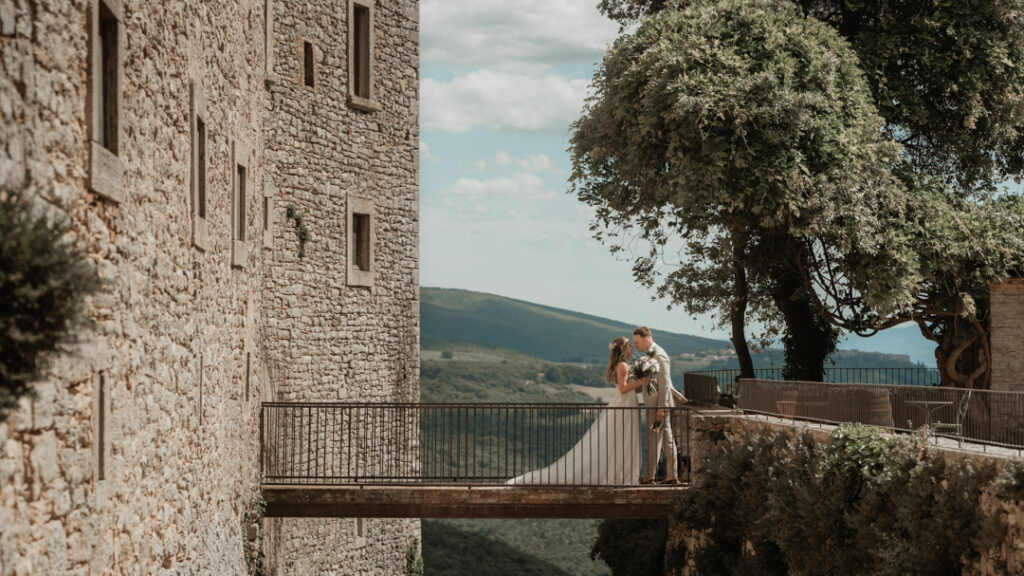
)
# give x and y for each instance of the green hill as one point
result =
(553, 334)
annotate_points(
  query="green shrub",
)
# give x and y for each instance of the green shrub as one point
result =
(414, 560)
(632, 547)
(863, 503)
(447, 354)
(1009, 485)
(43, 280)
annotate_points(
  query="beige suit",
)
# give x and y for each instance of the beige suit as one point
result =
(661, 398)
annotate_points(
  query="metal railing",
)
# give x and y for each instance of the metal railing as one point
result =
(982, 416)
(348, 443)
(726, 378)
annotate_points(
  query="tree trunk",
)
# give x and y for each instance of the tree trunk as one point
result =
(809, 338)
(738, 313)
(962, 354)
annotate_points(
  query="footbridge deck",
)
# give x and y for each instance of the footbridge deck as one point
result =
(394, 501)
(412, 460)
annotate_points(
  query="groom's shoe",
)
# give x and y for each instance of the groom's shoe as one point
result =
(670, 481)
(647, 480)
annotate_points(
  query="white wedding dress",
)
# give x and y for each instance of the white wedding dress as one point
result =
(608, 453)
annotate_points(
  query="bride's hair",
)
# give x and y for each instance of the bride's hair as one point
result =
(620, 350)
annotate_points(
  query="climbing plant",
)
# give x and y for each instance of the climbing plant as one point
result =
(300, 228)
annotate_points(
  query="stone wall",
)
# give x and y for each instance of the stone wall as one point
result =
(331, 337)
(139, 455)
(1007, 329)
(1007, 344)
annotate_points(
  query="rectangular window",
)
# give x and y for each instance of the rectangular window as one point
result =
(240, 208)
(239, 203)
(248, 371)
(104, 104)
(199, 164)
(307, 58)
(108, 81)
(200, 168)
(269, 191)
(268, 36)
(360, 56)
(361, 238)
(101, 427)
(361, 241)
(361, 50)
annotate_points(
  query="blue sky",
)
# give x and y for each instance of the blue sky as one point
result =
(501, 83)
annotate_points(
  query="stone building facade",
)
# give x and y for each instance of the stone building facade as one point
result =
(174, 136)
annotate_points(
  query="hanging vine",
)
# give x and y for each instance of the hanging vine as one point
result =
(300, 228)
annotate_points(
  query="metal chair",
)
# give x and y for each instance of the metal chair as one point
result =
(956, 428)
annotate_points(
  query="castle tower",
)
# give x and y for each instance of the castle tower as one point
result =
(173, 136)
(342, 319)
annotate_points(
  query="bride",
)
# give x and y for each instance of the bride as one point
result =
(609, 452)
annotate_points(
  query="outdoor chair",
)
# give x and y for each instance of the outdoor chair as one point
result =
(955, 428)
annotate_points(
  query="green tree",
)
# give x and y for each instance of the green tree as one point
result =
(946, 79)
(43, 280)
(748, 131)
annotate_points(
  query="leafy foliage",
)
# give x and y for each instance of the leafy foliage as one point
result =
(632, 547)
(945, 77)
(301, 230)
(413, 560)
(864, 503)
(592, 376)
(451, 551)
(747, 131)
(43, 281)
(1009, 483)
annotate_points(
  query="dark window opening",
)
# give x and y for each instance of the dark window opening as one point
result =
(248, 371)
(108, 80)
(361, 51)
(101, 426)
(361, 241)
(201, 167)
(307, 49)
(240, 211)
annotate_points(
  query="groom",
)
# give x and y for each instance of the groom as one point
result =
(661, 436)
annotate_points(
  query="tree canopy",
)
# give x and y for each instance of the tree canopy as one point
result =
(947, 77)
(944, 79)
(749, 131)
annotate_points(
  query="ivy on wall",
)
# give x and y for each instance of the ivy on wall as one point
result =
(300, 228)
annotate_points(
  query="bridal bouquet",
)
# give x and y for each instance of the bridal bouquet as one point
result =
(645, 366)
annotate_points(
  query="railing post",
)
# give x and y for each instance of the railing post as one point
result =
(263, 467)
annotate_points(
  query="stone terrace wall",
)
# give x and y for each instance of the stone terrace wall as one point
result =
(328, 340)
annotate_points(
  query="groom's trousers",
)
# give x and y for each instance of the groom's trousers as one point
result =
(662, 440)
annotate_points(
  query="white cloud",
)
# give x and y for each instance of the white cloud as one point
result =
(503, 34)
(425, 153)
(532, 163)
(517, 186)
(502, 101)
